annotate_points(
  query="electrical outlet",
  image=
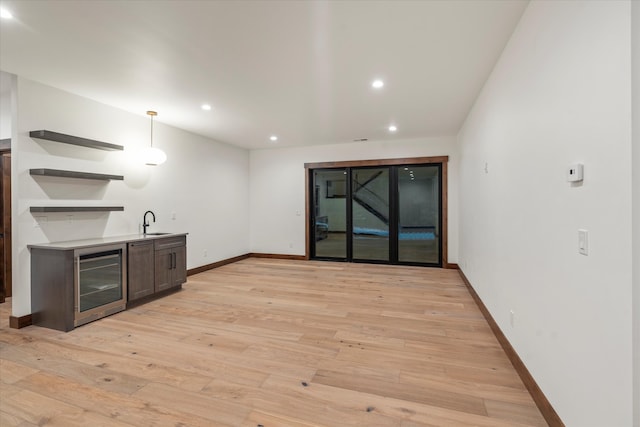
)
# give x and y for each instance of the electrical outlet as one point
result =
(512, 318)
(205, 254)
(173, 216)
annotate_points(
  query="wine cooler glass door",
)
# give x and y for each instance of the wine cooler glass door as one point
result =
(100, 284)
(100, 279)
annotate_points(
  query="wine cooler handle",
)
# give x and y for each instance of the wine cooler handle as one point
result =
(76, 261)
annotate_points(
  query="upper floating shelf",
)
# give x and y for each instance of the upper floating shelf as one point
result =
(74, 140)
(74, 174)
(41, 209)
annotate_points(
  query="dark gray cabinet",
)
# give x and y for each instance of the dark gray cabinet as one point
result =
(141, 269)
(52, 290)
(73, 286)
(170, 262)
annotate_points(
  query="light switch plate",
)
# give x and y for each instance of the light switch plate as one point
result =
(583, 242)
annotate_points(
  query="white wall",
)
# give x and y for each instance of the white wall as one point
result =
(559, 94)
(635, 75)
(203, 182)
(278, 191)
(5, 105)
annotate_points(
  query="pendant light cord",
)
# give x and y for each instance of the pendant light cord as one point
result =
(151, 114)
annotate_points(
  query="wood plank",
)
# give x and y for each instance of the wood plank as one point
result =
(11, 372)
(261, 418)
(222, 412)
(125, 408)
(409, 392)
(515, 412)
(129, 366)
(54, 362)
(36, 408)
(308, 406)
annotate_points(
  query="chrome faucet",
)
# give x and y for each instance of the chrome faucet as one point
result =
(145, 224)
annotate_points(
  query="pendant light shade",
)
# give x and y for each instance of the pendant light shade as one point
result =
(153, 156)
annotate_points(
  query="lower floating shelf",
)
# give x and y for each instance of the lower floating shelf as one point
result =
(41, 209)
(74, 174)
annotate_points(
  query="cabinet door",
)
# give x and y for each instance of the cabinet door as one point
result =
(179, 266)
(140, 270)
(164, 269)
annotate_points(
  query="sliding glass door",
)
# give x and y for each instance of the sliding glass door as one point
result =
(383, 214)
(419, 214)
(370, 213)
(329, 213)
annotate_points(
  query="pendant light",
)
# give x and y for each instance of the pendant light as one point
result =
(153, 156)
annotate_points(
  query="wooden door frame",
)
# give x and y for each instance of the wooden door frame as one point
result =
(443, 160)
(5, 229)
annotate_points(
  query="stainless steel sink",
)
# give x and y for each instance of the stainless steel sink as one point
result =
(156, 234)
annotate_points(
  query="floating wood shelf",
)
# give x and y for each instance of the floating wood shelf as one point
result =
(74, 174)
(74, 140)
(50, 209)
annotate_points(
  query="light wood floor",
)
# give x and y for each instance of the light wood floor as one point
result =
(273, 343)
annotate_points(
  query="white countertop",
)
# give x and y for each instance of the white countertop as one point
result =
(100, 241)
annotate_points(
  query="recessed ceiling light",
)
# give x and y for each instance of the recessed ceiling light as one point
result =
(5, 14)
(206, 107)
(392, 128)
(377, 84)
(406, 169)
(273, 138)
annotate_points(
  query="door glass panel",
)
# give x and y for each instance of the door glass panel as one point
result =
(100, 279)
(370, 213)
(330, 213)
(418, 214)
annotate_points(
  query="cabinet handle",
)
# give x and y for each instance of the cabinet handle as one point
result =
(174, 260)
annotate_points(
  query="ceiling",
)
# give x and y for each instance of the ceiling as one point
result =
(301, 70)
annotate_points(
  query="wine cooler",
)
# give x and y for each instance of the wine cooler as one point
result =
(100, 282)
